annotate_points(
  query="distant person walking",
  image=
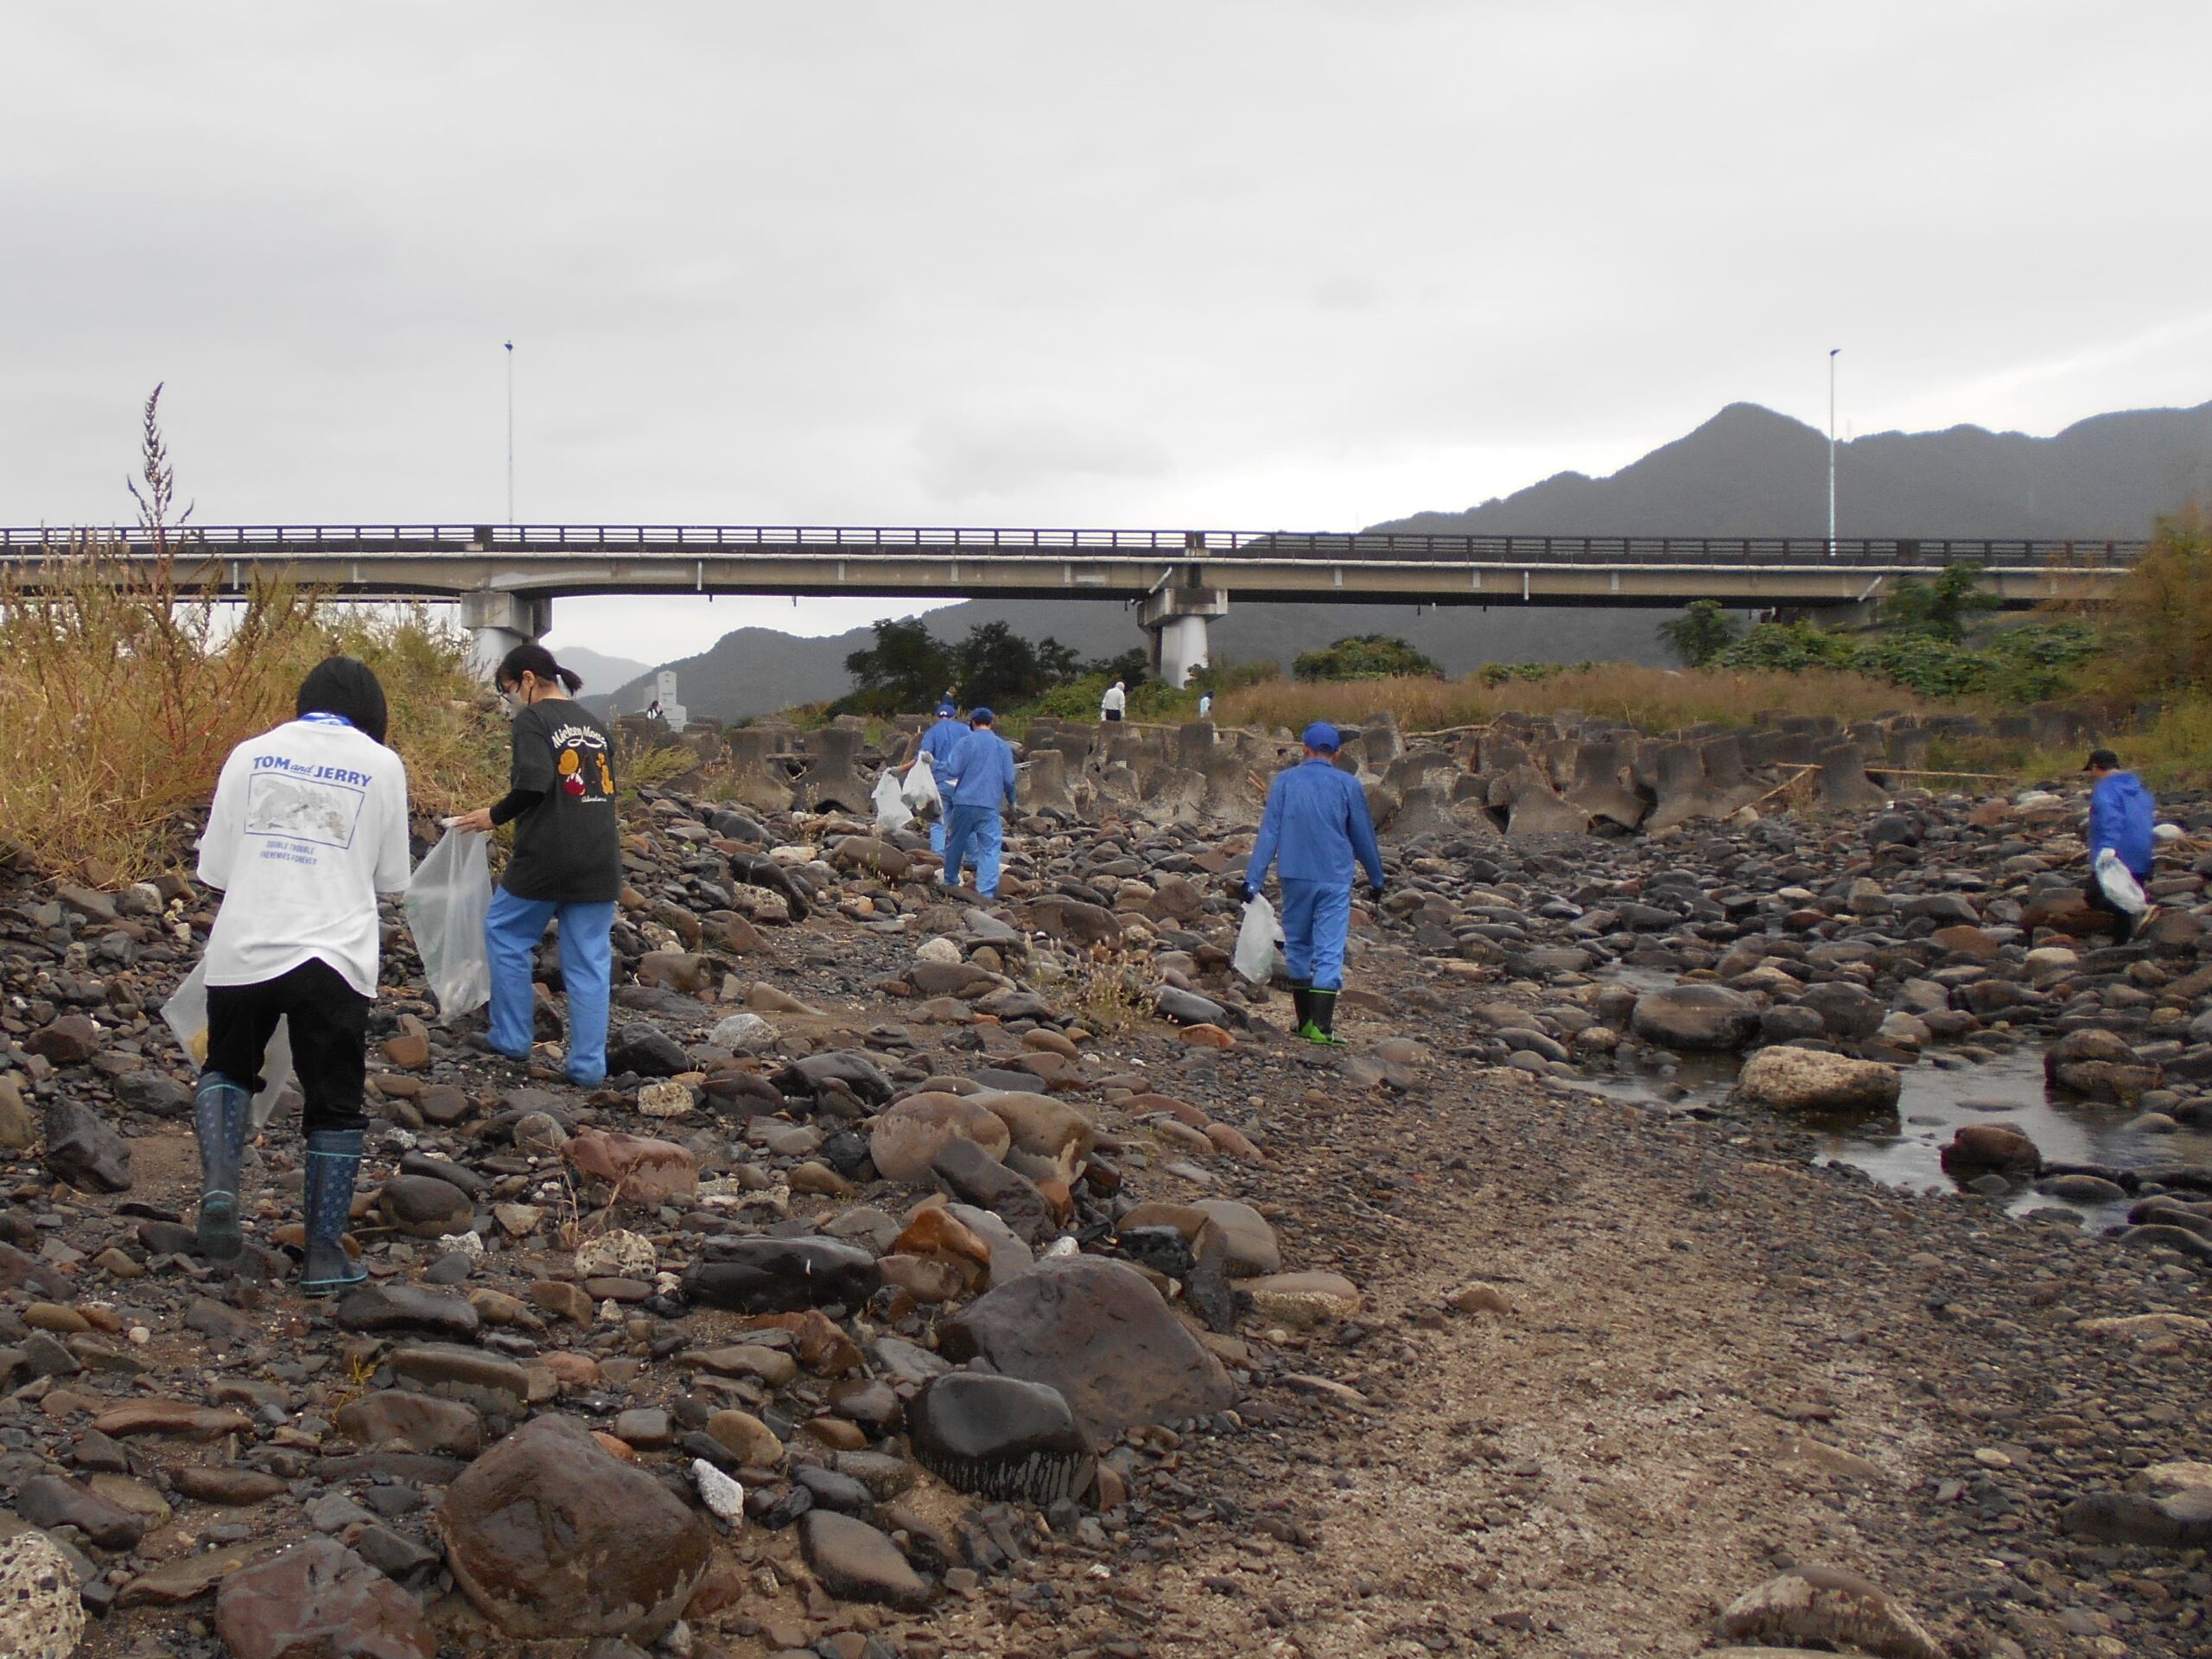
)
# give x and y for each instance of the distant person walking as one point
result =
(939, 743)
(1117, 700)
(566, 862)
(1205, 705)
(308, 825)
(1317, 821)
(977, 784)
(2121, 814)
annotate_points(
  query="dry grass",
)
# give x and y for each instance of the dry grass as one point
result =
(1653, 699)
(126, 684)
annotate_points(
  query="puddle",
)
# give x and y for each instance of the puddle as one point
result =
(1904, 1152)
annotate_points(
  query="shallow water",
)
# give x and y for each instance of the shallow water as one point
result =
(1905, 1151)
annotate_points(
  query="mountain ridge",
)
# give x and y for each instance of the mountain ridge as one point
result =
(1746, 471)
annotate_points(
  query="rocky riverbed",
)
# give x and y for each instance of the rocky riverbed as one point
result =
(941, 1278)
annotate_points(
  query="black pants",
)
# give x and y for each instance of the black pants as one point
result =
(1114, 713)
(2123, 924)
(329, 1031)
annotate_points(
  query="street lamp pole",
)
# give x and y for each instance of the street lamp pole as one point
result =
(511, 445)
(1833, 355)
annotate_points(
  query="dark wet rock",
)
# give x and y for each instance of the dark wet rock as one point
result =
(1696, 1017)
(647, 1050)
(2099, 1065)
(319, 1600)
(855, 1562)
(1187, 1008)
(782, 1275)
(551, 1535)
(1980, 1149)
(973, 1177)
(1098, 1331)
(82, 1150)
(1847, 1012)
(57, 1501)
(1000, 1437)
(71, 1040)
(414, 1422)
(408, 1307)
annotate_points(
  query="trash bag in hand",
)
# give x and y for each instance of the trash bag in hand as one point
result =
(1256, 941)
(446, 904)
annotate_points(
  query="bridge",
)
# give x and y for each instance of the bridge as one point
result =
(505, 577)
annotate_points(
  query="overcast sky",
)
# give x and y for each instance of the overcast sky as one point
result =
(1211, 265)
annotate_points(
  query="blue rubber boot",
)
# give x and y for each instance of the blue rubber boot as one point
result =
(220, 1113)
(333, 1162)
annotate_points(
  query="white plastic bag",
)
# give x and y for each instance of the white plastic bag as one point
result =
(446, 904)
(187, 1015)
(2119, 883)
(1256, 941)
(891, 813)
(919, 791)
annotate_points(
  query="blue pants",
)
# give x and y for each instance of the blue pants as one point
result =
(975, 833)
(512, 932)
(1316, 917)
(936, 836)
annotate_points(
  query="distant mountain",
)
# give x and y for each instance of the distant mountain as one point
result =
(600, 673)
(1746, 472)
(1751, 472)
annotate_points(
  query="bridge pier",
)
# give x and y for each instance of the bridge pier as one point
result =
(1177, 619)
(498, 621)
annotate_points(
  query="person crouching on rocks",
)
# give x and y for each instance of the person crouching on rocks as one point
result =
(1317, 822)
(977, 784)
(567, 862)
(308, 825)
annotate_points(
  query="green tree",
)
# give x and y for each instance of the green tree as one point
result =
(1699, 632)
(906, 669)
(2162, 624)
(1057, 662)
(1938, 610)
(1363, 657)
(1133, 667)
(996, 667)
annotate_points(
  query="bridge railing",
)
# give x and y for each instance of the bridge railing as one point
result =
(1386, 546)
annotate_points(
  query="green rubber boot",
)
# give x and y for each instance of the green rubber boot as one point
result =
(1320, 1026)
(334, 1163)
(1301, 1004)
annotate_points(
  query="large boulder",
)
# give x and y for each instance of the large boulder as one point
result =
(319, 1600)
(1825, 1604)
(1989, 1148)
(642, 1169)
(909, 1134)
(1695, 1017)
(1808, 1080)
(551, 1535)
(1096, 1330)
(2100, 1065)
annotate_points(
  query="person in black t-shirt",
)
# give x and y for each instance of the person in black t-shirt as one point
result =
(567, 862)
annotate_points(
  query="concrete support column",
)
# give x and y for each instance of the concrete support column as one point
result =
(499, 621)
(1176, 620)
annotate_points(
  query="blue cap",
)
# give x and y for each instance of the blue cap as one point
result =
(944, 708)
(981, 716)
(1323, 736)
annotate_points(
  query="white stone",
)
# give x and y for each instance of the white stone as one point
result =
(666, 1099)
(741, 1033)
(725, 1496)
(940, 950)
(617, 1253)
(468, 1244)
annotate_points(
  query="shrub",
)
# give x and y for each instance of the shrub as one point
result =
(1363, 657)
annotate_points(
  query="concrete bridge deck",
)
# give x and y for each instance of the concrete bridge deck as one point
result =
(505, 575)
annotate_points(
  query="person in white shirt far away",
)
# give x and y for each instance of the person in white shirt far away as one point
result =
(308, 825)
(1110, 706)
(1205, 705)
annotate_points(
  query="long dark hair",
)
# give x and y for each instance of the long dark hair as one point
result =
(347, 687)
(534, 658)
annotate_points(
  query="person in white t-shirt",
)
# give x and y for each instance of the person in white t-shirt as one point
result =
(1117, 700)
(308, 825)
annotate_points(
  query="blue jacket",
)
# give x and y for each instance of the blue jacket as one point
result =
(939, 741)
(2119, 817)
(1317, 818)
(979, 771)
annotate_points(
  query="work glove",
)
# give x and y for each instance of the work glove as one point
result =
(1375, 892)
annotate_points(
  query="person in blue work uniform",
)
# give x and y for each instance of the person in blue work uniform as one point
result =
(977, 783)
(2120, 811)
(937, 743)
(1317, 822)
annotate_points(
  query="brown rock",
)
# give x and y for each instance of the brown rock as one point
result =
(185, 1579)
(1206, 1036)
(1822, 1604)
(646, 1170)
(909, 1133)
(551, 1535)
(71, 1040)
(414, 1422)
(319, 1600)
(1976, 1149)
(152, 1416)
